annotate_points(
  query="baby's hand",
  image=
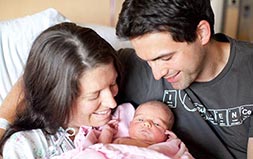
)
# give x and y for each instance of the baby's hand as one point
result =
(108, 131)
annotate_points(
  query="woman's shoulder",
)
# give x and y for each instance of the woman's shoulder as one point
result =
(27, 135)
(26, 143)
(30, 138)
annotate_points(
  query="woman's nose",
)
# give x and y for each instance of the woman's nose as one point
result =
(108, 99)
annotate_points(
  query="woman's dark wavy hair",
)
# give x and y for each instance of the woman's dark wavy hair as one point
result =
(179, 17)
(58, 58)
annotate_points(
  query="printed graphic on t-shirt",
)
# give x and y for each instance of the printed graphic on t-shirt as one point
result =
(222, 117)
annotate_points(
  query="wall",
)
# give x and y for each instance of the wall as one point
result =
(231, 17)
(80, 11)
(217, 6)
(245, 24)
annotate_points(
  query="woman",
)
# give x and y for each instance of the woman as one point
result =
(69, 81)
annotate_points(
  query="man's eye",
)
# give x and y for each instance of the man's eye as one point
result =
(166, 58)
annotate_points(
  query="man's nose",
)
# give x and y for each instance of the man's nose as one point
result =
(157, 69)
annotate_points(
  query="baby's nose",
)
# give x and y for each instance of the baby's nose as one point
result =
(147, 124)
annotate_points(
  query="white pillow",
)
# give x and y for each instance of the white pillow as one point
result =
(16, 37)
(109, 34)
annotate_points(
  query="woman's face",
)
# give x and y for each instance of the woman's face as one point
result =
(96, 101)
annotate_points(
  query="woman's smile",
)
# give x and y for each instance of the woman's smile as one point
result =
(102, 115)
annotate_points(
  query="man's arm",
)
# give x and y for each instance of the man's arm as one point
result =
(250, 148)
(130, 141)
(9, 105)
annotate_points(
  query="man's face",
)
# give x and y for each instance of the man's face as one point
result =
(180, 63)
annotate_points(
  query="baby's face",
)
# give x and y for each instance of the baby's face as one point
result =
(149, 124)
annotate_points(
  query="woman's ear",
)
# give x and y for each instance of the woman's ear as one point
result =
(203, 32)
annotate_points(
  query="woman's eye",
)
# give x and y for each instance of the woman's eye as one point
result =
(93, 97)
(114, 86)
(114, 89)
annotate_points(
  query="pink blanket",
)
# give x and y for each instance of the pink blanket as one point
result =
(87, 146)
(114, 151)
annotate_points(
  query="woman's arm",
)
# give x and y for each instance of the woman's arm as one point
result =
(9, 105)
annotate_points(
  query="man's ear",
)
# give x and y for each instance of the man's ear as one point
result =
(203, 32)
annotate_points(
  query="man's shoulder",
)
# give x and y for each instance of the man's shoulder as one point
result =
(127, 55)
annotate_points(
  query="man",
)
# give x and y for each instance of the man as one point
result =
(205, 76)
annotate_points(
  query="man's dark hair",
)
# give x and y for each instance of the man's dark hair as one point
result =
(178, 17)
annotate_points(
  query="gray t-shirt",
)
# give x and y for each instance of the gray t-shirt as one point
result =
(213, 118)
